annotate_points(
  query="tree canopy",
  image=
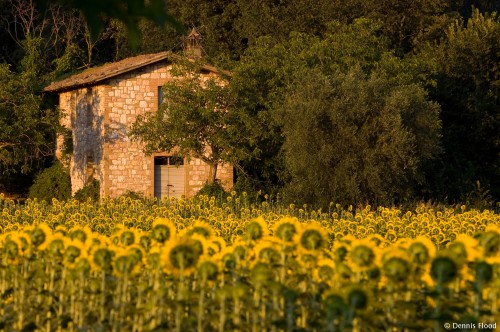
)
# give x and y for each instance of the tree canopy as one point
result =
(193, 119)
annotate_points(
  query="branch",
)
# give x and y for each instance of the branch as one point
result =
(5, 144)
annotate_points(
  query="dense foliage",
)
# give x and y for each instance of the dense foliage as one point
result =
(52, 182)
(194, 265)
(424, 123)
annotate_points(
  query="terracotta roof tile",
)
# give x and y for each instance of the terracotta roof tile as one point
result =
(95, 75)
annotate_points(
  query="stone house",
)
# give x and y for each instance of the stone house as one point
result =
(99, 105)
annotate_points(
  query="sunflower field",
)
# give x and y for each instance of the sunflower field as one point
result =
(195, 265)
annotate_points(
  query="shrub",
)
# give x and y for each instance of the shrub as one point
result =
(213, 189)
(53, 182)
(90, 190)
(135, 195)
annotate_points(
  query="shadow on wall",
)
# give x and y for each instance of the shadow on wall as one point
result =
(90, 134)
(87, 125)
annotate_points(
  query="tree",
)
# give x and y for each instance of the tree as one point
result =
(262, 77)
(339, 117)
(193, 120)
(355, 137)
(465, 67)
(26, 130)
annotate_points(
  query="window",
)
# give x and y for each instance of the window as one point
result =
(160, 96)
(169, 160)
(89, 168)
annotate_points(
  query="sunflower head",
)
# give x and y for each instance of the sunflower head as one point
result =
(397, 268)
(362, 254)
(483, 273)
(207, 270)
(228, 260)
(181, 255)
(443, 269)
(82, 265)
(286, 228)
(102, 258)
(71, 253)
(127, 237)
(201, 228)
(162, 230)
(325, 270)
(490, 241)
(334, 304)
(127, 261)
(312, 237)
(40, 234)
(256, 229)
(267, 251)
(340, 251)
(421, 250)
(357, 298)
(80, 234)
(56, 245)
(145, 241)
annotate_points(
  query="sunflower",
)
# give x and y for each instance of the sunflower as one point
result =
(334, 304)
(55, 245)
(396, 265)
(11, 249)
(200, 227)
(256, 229)
(362, 254)
(339, 251)
(39, 235)
(240, 251)
(286, 228)
(312, 237)
(180, 255)
(152, 260)
(260, 274)
(82, 234)
(126, 261)
(471, 245)
(357, 298)
(421, 250)
(74, 250)
(325, 270)
(443, 270)
(217, 244)
(208, 269)
(102, 258)
(22, 240)
(163, 229)
(267, 251)
(490, 240)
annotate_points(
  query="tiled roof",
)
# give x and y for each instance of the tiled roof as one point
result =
(95, 75)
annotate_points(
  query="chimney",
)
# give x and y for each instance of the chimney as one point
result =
(192, 44)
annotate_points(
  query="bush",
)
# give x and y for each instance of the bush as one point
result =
(213, 189)
(53, 182)
(135, 195)
(90, 190)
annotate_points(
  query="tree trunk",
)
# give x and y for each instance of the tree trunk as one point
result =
(213, 173)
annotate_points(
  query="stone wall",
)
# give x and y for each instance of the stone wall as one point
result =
(118, 163)
(198, 173)
(83, 114)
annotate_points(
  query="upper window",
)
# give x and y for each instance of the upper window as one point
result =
(160, 96)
